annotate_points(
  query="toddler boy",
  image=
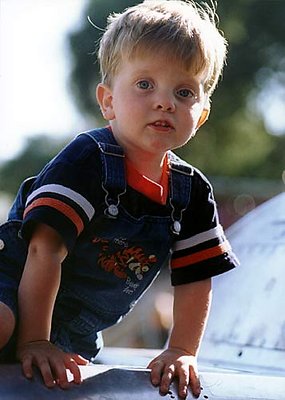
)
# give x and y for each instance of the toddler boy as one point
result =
(87, 236)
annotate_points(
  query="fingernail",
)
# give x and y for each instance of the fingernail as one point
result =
(63, 386)
(164, 389)
(183, 393)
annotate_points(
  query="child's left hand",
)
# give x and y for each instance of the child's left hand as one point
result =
(175, 362)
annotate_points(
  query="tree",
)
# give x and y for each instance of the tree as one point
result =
(236, 141)
(36, 153)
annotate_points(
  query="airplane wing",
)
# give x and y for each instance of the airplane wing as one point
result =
(106, 382)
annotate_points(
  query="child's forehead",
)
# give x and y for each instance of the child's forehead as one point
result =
(143, 54)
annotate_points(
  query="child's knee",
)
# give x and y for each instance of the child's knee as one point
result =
(7, 324)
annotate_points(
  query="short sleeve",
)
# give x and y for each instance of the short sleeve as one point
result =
(202, 249)
(63, 194)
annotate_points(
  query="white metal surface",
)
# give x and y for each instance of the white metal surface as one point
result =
(247, 321)
(103, 382)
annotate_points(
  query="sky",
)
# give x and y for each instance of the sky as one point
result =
(34, 68)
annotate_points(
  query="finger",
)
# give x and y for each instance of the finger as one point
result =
(156, 371)
(167, 378)
(194, 383)
(59, 372)
(183, 382)
(79, 359)
(74, 369)
(45, 369)
(27, 367)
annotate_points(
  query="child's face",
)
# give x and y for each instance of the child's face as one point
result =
(154, 105)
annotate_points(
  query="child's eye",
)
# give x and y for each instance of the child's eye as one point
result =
(144, 85)
(186, 93)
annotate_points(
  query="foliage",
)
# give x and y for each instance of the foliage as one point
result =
(36, 153)
(235, 142)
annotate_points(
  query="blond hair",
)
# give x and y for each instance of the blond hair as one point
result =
(182, 29)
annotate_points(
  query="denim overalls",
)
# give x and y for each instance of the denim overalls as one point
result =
(116, 257)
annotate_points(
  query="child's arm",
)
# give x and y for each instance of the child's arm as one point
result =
(190, 312)
(37, 292)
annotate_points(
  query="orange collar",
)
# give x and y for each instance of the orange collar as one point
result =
(157, 192)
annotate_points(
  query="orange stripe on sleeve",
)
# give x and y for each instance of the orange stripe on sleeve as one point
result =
(201, 255)
(59, 206)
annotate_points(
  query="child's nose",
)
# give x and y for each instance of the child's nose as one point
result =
(164, 102)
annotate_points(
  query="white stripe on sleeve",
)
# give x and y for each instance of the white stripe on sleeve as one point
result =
(69, 193)
(216, 232)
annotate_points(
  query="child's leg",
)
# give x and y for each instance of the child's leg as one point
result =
(7, 324)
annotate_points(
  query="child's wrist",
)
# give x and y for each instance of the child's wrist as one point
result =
(181, 350)
(38, 341)
(24, 343)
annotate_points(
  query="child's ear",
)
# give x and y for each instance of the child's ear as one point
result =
(203, 117)
(105, 100)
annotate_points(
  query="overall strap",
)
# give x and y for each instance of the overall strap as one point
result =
(180, 188)
(113, 167)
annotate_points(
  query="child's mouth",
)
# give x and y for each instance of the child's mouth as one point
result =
(162, 124)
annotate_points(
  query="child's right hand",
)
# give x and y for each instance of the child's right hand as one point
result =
(51, 361)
